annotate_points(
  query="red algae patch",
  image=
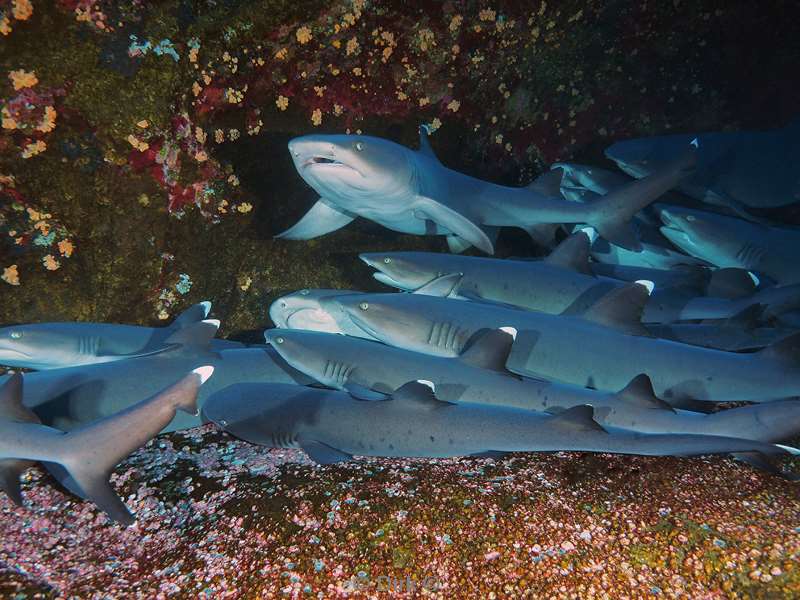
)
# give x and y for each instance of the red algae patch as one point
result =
(220, 518)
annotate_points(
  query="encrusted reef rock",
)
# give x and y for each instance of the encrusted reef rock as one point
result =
(221, 518)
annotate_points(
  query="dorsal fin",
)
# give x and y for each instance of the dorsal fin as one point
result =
(193, 314)
(425, 142)
(572, 253)
(731, 282)
(11, 407)
(640, 392)
(420, 394)
(441, 286)
(621, 309)
(489, 350)
(787, 349)
(577, 418)
(548, 183)
(197, 334)
(748, 318)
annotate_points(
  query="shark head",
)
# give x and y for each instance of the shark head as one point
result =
(302, 310)
(642, 156)
(37, 346)
(419, 323)
(403, 270)
(349, 170)
(709, 236)
(259, 413)
(310, 352)
(306, 310)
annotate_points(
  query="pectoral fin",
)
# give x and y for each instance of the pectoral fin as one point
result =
(360, 392)
(428, 209)
(321, 219)
(322, 453)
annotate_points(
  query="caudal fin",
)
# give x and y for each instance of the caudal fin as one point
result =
(610, 215)
(90, 453)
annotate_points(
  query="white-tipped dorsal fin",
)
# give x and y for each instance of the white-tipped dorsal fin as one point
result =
(441, 286)
(204, 372)
(572, 253)
(647, 284)
(197, 334)
(577, 418)
(193, 314)
(512, 331)
(732, 283)
(420, 393)
(640, 391)
(489, 350)
(621, 309)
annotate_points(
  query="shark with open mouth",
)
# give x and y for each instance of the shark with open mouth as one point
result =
(413, 192)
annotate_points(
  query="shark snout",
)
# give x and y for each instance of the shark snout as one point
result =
(307, 151)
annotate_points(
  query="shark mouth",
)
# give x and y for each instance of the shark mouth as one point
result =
(314, 319)
(13, 353)
(319, 162)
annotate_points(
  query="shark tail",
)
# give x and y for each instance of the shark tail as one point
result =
(610, 215)
(89, 454)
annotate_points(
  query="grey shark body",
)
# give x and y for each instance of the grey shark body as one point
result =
(739, 169)
(54, 345)
(82, 459)
(333, 426)
(604, 348)
(730, 242)
(74, 396)
(478, 375)
(561, 283)
(412, 192)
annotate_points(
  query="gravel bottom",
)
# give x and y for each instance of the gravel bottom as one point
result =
(220, 518)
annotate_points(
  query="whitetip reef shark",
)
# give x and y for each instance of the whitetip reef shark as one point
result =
(759, 169)
(333, 426)
(43, 346)
(604, 347)
(371, 370)
(730, 242)
(413, 192)
(564, 282)
(82, 459)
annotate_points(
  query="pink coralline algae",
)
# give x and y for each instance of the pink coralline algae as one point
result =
(162, 153)
(222, 518)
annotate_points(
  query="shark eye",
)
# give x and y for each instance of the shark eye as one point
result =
(279, 340)
(15, 335)
(283, 304)
(364, 305)
(387, 260)
(359, 146)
